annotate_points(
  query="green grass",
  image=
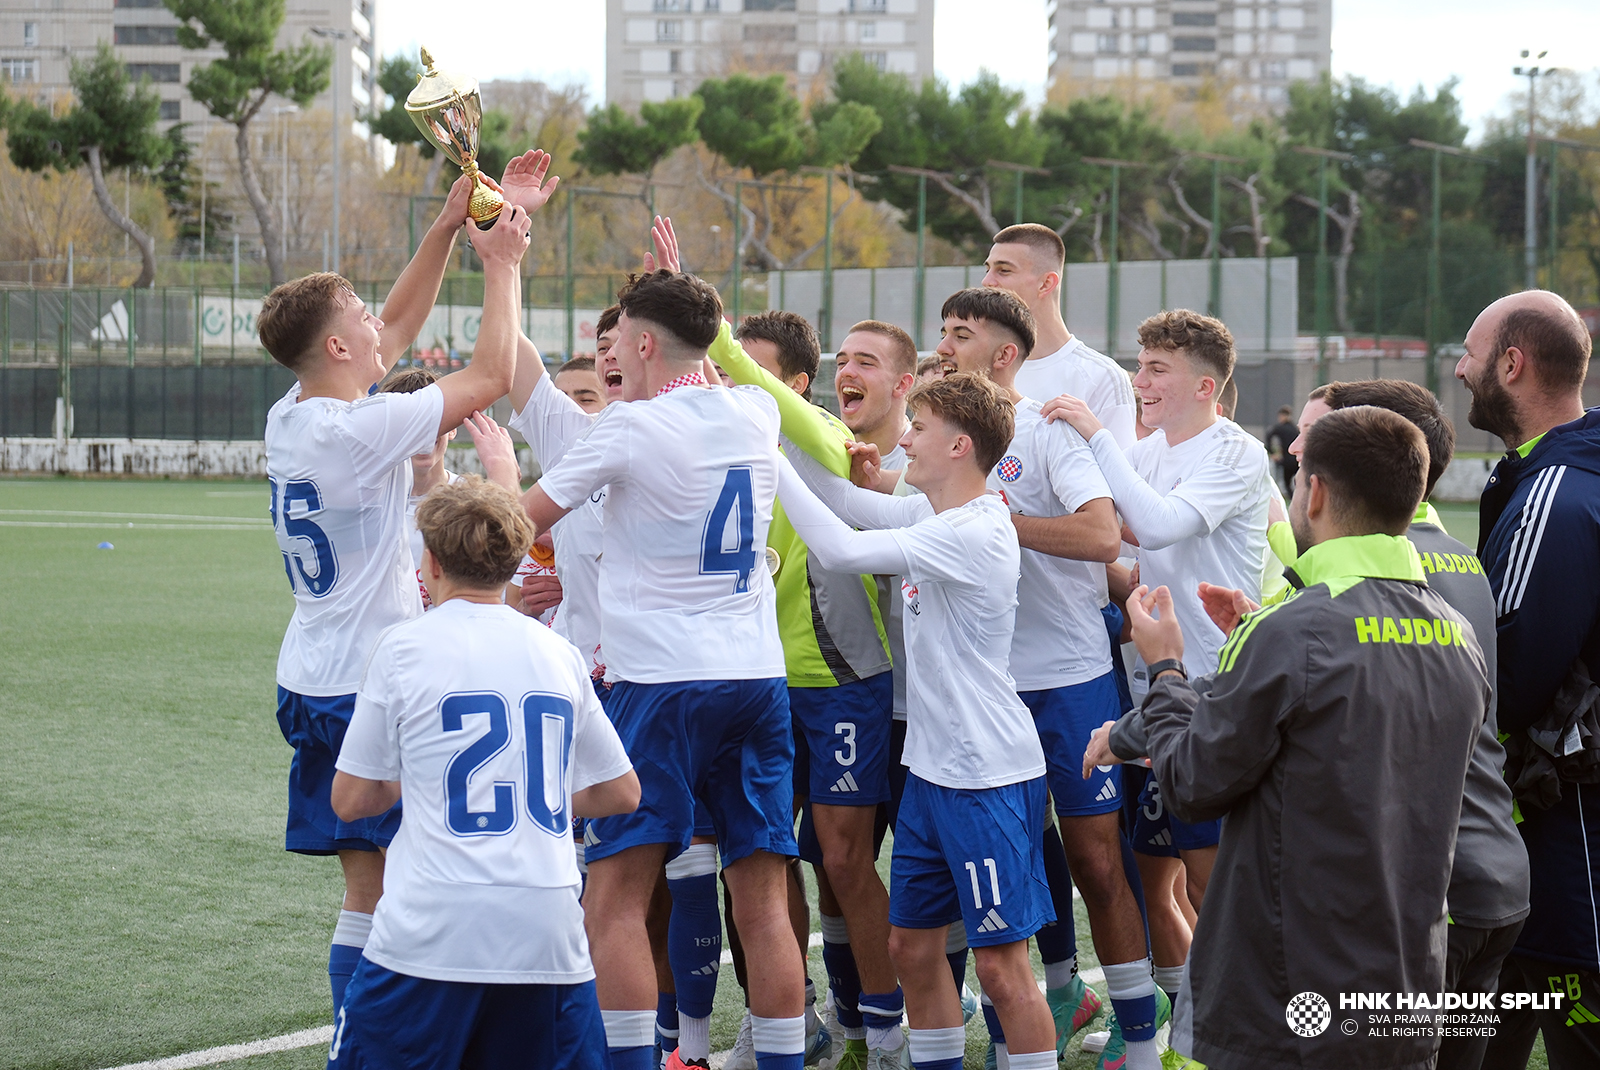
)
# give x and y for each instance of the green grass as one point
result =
(150, 909)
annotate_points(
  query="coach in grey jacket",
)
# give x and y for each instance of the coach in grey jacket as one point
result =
(1335, 738)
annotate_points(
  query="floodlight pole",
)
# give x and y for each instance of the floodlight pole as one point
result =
(825, 311)
(1114, 273)
(1020, 170)
(1214, 301)
(1431, 308)
(1323, 156)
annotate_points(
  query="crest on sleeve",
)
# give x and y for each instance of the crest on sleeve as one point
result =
(1010, 468)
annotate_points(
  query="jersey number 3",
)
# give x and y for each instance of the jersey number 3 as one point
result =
(315, 546)
(547, 739)
(737, 501)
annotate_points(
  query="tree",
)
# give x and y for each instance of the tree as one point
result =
(237, 86)
(111, 125)
(615, 142)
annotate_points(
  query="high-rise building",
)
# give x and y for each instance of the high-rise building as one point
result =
(39, 39)
(1252, 49)
(660, 49)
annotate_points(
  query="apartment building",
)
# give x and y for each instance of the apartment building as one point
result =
(1252, 48)
(660, 49)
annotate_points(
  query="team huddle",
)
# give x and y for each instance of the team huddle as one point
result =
(726, 632)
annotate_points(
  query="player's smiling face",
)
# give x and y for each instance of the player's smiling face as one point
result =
(606, 362)
(864, 380)
(584, 387)
(629, 357)
(931, 446)
(1169, 387)
(968, 346)
(356, 330)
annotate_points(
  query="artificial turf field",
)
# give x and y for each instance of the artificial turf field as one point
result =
(149, 907)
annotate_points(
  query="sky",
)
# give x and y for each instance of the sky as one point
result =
(1402, 43)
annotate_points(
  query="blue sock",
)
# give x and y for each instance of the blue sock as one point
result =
(694, 934)
(843, 980)
(780, 1043)
(881, 1013)
(667, 1020)
(1133, 997)
(955, 953)
(1130, 870)
(1058, 940)
(349, 938)
(629, 1036)
(992, 1020)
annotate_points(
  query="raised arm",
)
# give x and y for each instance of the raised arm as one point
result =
(1158, 522)
(838, 547)
(799, 420)
(488, 377)
(858, 507)
(411, 297)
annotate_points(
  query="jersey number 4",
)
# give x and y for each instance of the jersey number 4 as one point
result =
(313, 544)
(736, 508)
(547, 740)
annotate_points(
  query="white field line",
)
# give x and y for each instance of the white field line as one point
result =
(111, 526)
(306, 1038)
(261, 520)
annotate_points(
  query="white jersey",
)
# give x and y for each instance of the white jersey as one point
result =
(690, 480)
(1048, 470)
(1225, 474)
(339, 474)
(891, 607)
(414, 537)
(490, 724)
(551, 422)
(1092, 377)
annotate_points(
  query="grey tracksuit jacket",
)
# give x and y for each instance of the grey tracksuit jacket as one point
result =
(1335, 738)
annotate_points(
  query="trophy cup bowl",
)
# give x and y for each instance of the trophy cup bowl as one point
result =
(449, 111)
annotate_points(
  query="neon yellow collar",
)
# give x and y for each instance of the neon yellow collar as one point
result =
(1379, 557)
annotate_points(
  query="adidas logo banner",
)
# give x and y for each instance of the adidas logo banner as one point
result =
(845, 783)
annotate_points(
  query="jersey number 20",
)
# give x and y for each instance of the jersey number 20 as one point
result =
(319, 579)
(737, 501)
(547, 740)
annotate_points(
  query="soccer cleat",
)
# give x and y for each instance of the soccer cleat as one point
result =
(969, 1003)
(991, 1060)
(818, 1045)
(889, 1058)
(855, 1056)
(1116, 1050)
(674, 1062)
(1073, 1007)
(742, 1056)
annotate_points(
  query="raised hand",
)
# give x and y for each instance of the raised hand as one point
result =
(665, 242)
(454, 213)
(496, 452)
(1225, 606)
(507, 240)
(524, 182)
(1156, 631)
(865, 464)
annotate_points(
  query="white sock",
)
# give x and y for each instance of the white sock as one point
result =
(1034, 1060)
(889, 1038)
(629, 1029)
(1060, 974)
(1169, 979)
(352, 928)
(694, 1037)
(929, 1045)
(778, 1036)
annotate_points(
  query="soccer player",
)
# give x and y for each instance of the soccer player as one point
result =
(691, 637)
(841, 695)
(1324, 737)
(579, 379)
(1029, 259)
(487, 723)
(338, 470)
(1196, 496)
(967, 841)
(1068, 529)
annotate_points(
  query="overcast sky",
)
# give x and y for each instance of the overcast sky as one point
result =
(1397, 42)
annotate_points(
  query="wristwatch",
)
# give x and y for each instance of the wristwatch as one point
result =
(1167, 665)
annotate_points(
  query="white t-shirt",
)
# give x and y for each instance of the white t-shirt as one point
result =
(892, 607)
(551, 422)
(414, 537)
(1225, 474)
(1092, 377)
(339, 474)
(1048, 470)
(490, 723)
(690, 477)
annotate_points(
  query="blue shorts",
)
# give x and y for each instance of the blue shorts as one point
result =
(314, 726)
(391, 1021)
(1114, 619)
(702, 816)
(1065, 718)
(971, 855)
(724, 742)
(846, 734)
(1157, 832)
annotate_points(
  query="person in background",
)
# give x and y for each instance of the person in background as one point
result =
(1279, 437)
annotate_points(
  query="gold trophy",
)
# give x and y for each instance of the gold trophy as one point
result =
(449, 112)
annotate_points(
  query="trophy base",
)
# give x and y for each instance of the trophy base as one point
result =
(484, 206)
